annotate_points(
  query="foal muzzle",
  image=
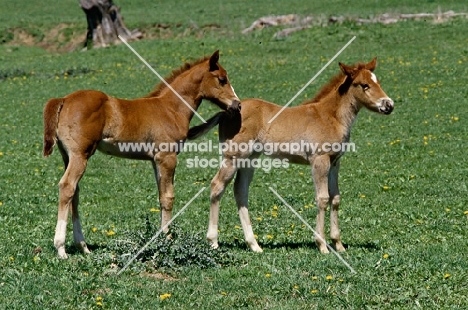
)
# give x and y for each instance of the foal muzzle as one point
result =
(235, 106)
(385, 106)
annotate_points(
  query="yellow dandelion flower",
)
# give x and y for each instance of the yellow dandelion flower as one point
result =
(341, 280)
(447, 275)
(110, 233)
(259, 218)
(385, 256)
(99, 304)
(94, 229)
(99, 298)
(447, 210)
(314, 278)
(269, 236)
(215, 133)
(154, 210)
(164, 296)
(275, 207)
(314, 291)
(386, 188)
(455, 118)
(274, 213)
(36, 258)
(1, 153)
(268, 275)
(237, 227)
(12, 258)
(1, 203)
(296, 287)
(362, 195)
(466, 212)
(329, 277)
(224, 293)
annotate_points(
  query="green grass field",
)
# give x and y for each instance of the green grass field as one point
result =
(403, 215)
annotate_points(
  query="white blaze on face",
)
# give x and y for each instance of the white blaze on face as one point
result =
(234, 92)
(374, 78)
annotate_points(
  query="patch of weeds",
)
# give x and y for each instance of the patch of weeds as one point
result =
(181, 250)
(6, 36)
(12, 73)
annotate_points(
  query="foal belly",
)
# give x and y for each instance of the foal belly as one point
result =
(128, 150)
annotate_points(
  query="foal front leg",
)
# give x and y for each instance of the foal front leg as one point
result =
(335, 204)
(218, 186)
(320, 169)
(241, 193)
(164, 168)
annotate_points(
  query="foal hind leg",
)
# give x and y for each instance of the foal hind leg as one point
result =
(241, 193)
(164, 169)
(75, 167)
(78, 237)
(334, 193)
(218, 186)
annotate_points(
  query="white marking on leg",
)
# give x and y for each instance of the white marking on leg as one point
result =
(59, 239)
(374, 78)
(248, 231)
(212, 235)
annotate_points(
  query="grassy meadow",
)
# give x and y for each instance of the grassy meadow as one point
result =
(403, 216)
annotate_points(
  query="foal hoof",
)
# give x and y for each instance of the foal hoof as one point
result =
(214, 245)
(257, 249)
(82, 247)
(61, 253)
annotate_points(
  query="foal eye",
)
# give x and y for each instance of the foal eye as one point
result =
(222, 80)
(365, 86)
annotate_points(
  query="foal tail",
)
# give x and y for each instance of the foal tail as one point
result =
(202, 129)
(51, 114)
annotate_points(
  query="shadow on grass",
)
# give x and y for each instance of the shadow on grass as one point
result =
(371, 246)
(72, 250)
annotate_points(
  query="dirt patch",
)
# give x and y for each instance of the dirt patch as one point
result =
(70, 37)
(61, 38)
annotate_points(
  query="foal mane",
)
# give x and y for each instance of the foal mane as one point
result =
(335, 83)
(174, 74)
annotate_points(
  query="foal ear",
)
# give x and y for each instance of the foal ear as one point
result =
(372, 64)
(347, 70)
(214, 61)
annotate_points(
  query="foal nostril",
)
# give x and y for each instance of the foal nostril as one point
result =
(235, 105)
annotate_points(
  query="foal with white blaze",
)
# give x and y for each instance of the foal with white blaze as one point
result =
(325, 120)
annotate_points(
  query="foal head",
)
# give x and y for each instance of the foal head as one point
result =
(365, 87)
(215, 86)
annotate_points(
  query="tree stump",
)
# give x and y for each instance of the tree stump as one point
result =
(105, 24)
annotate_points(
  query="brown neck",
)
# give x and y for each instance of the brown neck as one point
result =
(187, 87)
(340, 106)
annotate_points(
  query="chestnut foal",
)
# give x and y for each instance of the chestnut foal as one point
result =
(323, 121)
(89, 120)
